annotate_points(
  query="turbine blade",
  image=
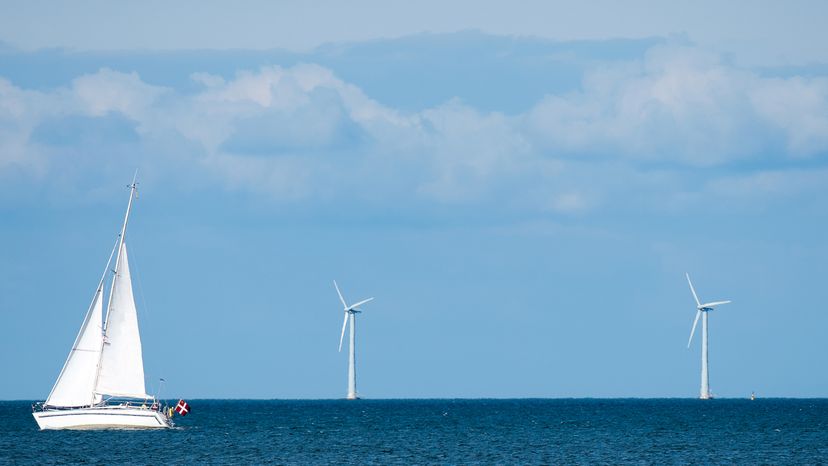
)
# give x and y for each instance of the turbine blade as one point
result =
(693, 289)
(695, 322)
(714, 303)
(340, 295)
(354, 306)
(342, 337)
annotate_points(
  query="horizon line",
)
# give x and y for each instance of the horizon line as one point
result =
(478, 399)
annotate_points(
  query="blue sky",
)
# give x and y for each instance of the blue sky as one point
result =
(522, 200)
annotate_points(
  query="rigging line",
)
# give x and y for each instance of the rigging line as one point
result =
(145, 314)
(137, 275)
(100, 289)
(135, 271)
(114, 277)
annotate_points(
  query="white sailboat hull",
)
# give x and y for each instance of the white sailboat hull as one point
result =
(102, 418)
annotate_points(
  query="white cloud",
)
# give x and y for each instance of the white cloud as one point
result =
(19, 112)
(568, 203)
(469, 152)
(682, 105)
(797, 107)
(302, 132)
(768, 186)
(207, 79)
(112, 91)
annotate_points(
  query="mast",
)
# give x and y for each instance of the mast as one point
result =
(120, 246)
(132, 188)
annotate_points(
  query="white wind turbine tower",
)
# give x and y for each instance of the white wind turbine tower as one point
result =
(350, 314)
(702, 310)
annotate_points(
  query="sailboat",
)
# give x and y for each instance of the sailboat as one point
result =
(101, 384)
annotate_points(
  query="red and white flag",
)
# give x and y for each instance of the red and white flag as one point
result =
(182, 408)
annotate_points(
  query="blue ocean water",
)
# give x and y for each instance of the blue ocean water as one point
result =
(561, 431)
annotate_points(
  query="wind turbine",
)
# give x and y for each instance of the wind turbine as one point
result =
(350, 314)
(702, 310)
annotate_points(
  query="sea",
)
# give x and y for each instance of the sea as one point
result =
(451, 431)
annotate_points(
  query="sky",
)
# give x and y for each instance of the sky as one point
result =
(521, 188)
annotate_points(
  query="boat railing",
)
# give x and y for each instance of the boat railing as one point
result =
(151, 405)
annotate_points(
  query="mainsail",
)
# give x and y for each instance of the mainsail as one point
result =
(76, 381)
(121, 372)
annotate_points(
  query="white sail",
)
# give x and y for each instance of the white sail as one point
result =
(122, 363)
(76, 381)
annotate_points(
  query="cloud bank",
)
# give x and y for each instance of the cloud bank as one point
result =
(678, 125)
